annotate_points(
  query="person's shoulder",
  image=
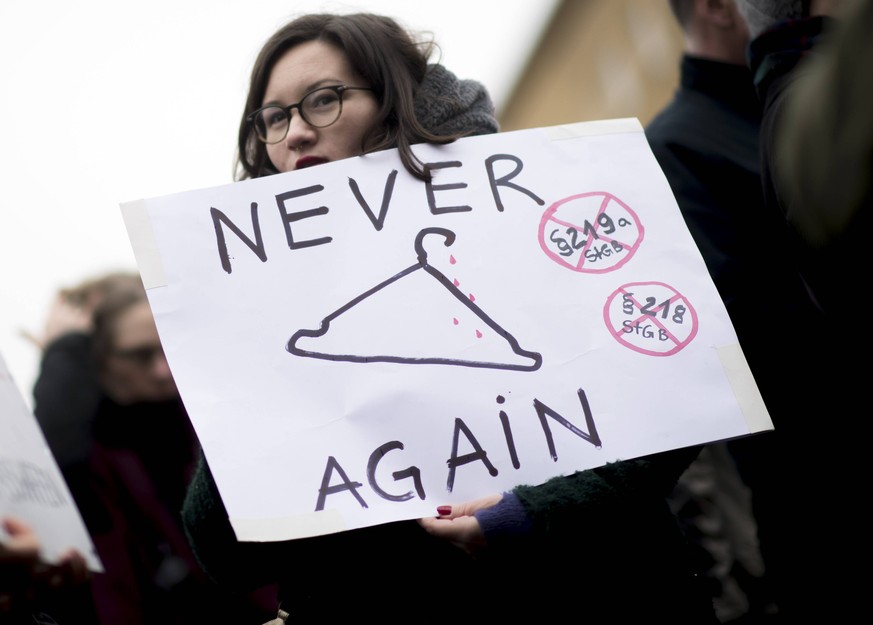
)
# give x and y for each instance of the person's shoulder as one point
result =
(684, 116)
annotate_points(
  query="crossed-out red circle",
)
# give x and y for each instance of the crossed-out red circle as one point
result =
(590, 232)
(650, 318)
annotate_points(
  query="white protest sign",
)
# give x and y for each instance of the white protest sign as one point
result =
(355, 346)
(32, 487)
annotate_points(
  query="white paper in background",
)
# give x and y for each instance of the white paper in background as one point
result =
(32, 487)
(355, 346)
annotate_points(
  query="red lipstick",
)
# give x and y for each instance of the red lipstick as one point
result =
(309, 161)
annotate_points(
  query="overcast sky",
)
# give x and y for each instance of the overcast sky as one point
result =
(108, 101)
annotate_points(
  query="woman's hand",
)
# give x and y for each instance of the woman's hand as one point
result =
(66, 315)
(457, 524)
(27, 575)
(23, 548)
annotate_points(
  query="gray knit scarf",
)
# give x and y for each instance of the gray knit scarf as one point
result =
(445, 105)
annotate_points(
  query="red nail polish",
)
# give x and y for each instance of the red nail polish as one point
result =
(444, 510)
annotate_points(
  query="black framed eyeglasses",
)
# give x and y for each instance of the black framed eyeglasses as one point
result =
(319, 108)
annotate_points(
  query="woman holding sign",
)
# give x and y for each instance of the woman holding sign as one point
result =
(601, 542)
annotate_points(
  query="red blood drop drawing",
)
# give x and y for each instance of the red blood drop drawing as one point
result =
(408, 334)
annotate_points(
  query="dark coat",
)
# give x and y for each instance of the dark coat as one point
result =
(139, 465)
(604, 544)
(821, 446)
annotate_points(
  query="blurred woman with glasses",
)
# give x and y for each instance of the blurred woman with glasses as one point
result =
(329, 87)
(139, 461)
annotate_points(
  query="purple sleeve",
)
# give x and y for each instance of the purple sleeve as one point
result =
(505, 520)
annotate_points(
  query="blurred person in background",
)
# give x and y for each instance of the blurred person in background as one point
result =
(33, 591)
(67, 390)
(130, 458)
(811, 56)
(706, 141)
(824, 157)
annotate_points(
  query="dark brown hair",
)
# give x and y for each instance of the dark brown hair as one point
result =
(385, 55)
